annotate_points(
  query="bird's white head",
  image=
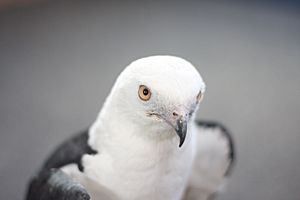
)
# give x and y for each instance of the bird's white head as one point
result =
(158, 93)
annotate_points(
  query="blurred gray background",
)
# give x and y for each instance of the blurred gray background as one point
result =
(59, 59)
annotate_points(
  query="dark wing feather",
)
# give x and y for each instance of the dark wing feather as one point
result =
(69, 152)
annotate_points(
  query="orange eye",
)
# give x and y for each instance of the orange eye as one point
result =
(144, 93)
(199, 96)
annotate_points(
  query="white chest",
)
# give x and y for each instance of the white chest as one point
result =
(146, 172)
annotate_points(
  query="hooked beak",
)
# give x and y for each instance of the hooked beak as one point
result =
(181, 129)
(179, 124)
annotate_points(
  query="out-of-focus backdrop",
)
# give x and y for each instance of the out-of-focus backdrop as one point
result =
(59, 59)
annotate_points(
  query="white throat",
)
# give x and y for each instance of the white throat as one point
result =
(113, 130)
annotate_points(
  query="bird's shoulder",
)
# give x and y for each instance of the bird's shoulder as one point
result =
(215, 141)
(214, 159)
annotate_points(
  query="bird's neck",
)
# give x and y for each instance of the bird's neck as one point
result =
(129, 150)
(123, 147)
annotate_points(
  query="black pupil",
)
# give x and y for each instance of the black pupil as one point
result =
(145, 92)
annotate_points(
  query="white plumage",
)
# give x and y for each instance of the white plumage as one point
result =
(138, 154)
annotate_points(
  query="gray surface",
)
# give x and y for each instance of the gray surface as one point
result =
(59, 60)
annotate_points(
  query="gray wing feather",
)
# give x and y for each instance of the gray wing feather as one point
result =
(55, 185)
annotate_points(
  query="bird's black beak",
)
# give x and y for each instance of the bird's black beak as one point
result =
(181, 129)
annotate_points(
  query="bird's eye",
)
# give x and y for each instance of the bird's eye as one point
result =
(199, 96)
(144, 93)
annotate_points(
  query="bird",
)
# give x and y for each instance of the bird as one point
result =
(145, 143)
